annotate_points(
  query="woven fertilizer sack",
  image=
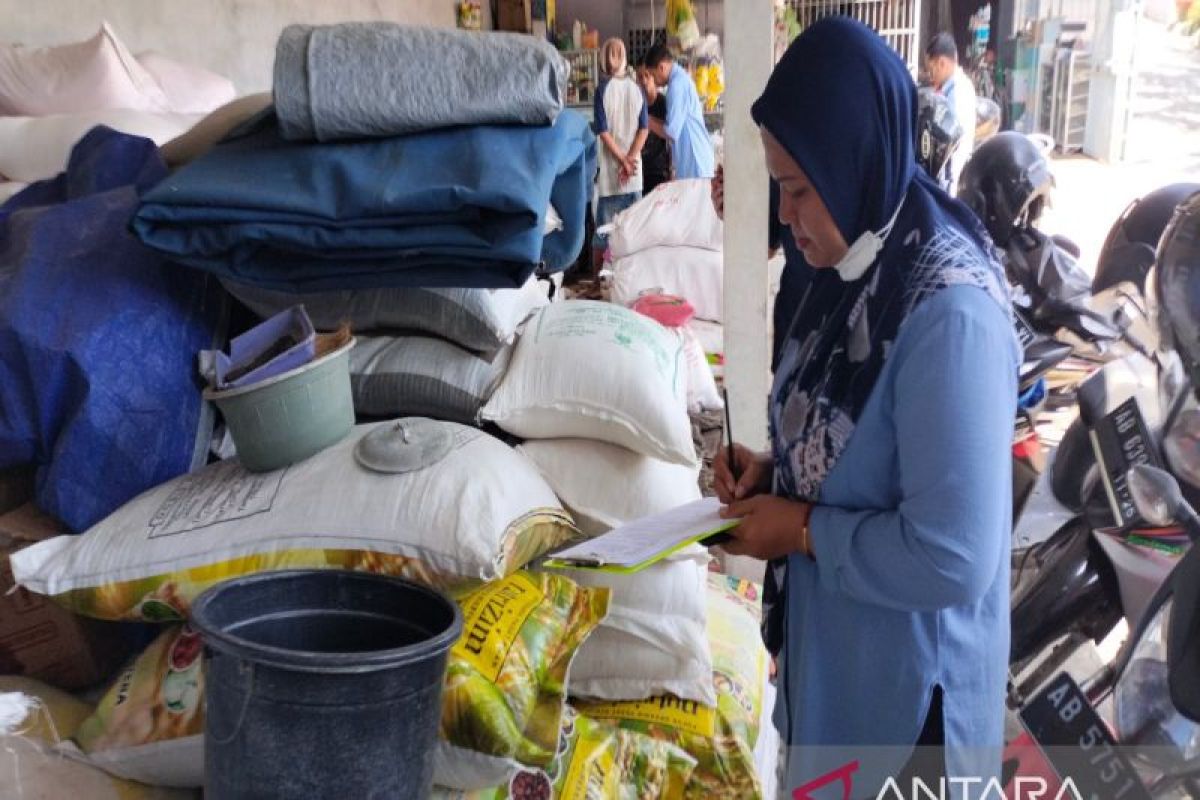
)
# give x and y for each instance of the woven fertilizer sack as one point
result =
(653, 640)
(37, 762)
(592, 370)
(695, 274)
(702, 384)
(149, 726)
(604, 485)
(594, 761)
(422, 376)
(675, 214)
(506, 678)
(479, 513)
(478, 319)
(721, 739)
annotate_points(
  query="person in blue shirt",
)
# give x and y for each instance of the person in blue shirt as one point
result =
(883, 506)
(691, 147)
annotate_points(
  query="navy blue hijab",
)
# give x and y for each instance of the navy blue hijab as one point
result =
(843, 105)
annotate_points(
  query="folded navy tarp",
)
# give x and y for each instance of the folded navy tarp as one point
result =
(456, 207)
(98, 337)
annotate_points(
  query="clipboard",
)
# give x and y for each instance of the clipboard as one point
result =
(639, 544)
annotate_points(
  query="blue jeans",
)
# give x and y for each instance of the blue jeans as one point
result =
(609, 207)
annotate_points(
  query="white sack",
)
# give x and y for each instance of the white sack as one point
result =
(676, 214)
(605, 486)
(688, 272)
(592, 370)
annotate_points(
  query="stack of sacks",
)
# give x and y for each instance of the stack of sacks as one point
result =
(383, 163)
(670, 241)
(466, 524)
(435, 353)
(50, 97)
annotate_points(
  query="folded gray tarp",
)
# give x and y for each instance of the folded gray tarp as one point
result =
(361, 79)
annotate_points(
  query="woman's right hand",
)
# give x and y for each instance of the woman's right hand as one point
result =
(717, 191)
(756, 471)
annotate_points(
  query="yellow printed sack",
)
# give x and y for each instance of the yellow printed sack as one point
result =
(505, 688)
(595, 761)
(149, 726)
(480, 513)
(721, 739)
(31, 767)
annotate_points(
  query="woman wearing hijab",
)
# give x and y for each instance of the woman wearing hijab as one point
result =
(621, 121)
(883, 506)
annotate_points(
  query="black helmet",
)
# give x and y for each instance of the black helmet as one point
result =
(1005, 183)
(1128, 251)
(937, 131)
(1175, 290)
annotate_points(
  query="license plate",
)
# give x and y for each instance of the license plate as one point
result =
(1078, 744)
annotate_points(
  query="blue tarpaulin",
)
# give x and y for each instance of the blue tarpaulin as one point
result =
(456, 207)
(98, 337)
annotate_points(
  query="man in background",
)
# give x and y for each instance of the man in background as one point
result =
(691, 148)
(941, 63)
(656, 154)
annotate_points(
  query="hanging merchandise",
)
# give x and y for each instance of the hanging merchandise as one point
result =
(477, 514)
(681, 23)
(506, 680)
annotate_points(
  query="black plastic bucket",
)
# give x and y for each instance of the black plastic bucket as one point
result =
(322, 683)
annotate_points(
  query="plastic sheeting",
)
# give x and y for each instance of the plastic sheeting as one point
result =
(98, 337)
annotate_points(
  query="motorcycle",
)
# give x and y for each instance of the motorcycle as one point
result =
(1152, 749)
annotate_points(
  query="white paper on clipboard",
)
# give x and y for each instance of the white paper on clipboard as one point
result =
(648, 539)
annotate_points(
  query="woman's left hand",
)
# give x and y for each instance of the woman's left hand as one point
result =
(771, 526)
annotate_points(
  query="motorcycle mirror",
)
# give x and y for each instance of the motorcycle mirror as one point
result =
(1156, 494)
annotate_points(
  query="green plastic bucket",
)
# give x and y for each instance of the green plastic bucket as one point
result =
(291, 416)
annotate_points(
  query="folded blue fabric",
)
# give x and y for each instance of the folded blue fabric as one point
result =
(98, 337)
(456, 207)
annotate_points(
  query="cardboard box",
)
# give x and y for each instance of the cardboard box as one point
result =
(39, 638)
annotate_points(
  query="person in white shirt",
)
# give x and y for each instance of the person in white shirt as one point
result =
(941, 62)
(621, 127)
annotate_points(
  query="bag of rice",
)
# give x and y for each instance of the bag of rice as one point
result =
(594, 761)
(37, 721)
(506, 678)
(478, 514)
(689, 272)
(702, 385)
(653, 640)
(592, 370)
(676, 214)
(421, 376)
(483, 320)
(604, 485)
(149, 726)
(721, 739)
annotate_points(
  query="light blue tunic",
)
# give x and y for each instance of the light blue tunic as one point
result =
(691, 146)
(910, 585)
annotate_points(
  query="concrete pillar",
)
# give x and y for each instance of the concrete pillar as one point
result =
(748, 62)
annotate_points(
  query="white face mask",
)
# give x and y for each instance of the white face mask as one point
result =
(865, 249)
